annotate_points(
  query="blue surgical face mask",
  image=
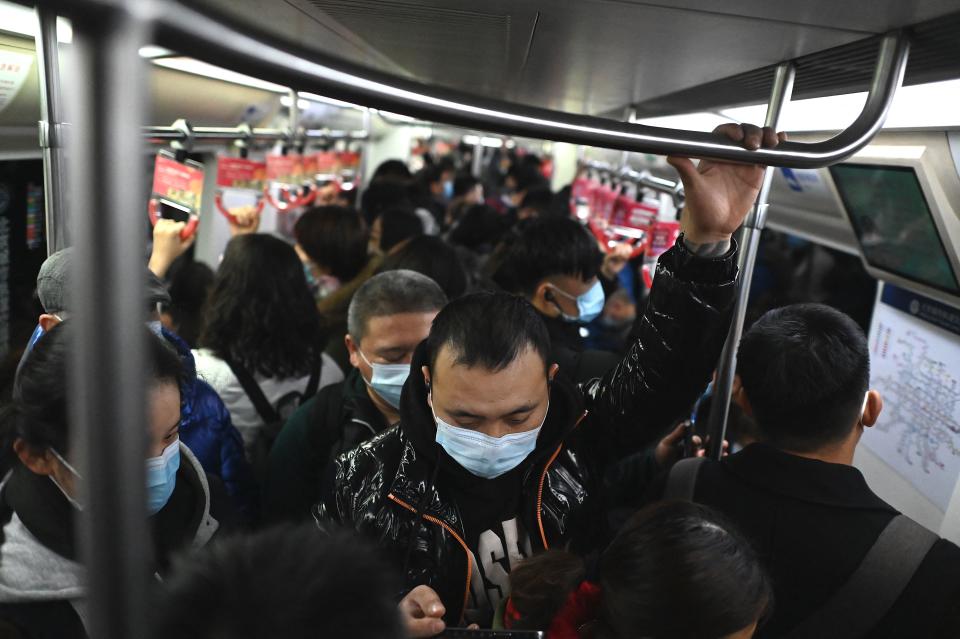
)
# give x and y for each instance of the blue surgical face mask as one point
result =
(162, 477)
(73, 471)
(589, 305)
(312, 282)
(156, 327)
(448, 190)
(387, 380)
(485, 456)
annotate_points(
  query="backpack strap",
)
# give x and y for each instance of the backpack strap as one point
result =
(314, 382)
(866, 597)
(250, 386)
(682, 480)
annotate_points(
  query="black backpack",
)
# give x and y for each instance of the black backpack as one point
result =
(274, 416)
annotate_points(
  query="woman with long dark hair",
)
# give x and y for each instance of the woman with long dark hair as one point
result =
(262, 347)
(676, 570)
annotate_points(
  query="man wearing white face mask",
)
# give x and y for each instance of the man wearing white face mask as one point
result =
(496, 456)
(42, 579)
(388, 317)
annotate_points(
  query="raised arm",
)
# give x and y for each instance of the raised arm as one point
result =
(678, 339)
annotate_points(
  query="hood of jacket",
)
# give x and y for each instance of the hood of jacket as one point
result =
(30, 570)
(38, 559)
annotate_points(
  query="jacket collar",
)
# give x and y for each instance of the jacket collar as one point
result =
(418, 431)
(809, 480)
(358, 405)
(183, 350)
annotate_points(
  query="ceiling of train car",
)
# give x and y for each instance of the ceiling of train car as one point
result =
(593, 56)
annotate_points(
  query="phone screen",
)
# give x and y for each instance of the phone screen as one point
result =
(169, 210)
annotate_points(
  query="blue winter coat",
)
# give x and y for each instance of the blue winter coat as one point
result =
(206, 429)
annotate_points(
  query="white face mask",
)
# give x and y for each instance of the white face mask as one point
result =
(483, 455)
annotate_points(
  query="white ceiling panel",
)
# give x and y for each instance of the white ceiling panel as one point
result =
(590, 56)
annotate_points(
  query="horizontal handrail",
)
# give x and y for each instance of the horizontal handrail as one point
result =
(215, 40)
(211, 133)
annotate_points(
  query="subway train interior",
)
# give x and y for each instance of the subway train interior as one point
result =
(574, 319)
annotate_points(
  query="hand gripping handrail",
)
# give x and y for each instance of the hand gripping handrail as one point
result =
(192, 32)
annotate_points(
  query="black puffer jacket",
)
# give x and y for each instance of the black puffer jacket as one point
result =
(381, 486)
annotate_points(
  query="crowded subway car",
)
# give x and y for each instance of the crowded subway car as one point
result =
(584, 319)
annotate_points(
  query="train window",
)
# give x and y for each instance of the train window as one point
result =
(893, 223)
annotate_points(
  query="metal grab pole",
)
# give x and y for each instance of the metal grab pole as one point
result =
(749, 244)
(51, 130)
(108, 407)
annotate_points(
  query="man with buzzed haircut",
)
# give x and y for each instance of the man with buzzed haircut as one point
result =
(388, 316)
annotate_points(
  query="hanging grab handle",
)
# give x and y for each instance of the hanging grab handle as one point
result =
(218, 202)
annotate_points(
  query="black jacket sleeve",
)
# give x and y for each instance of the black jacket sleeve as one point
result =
(677, 343)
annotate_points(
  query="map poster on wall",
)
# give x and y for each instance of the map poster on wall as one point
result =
(14, 68)
(915, 365)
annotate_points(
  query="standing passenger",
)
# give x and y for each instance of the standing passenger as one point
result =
(262, 345)
(803, 372)
(389, 316)
(556, 265)
(205, 425)
(496, 456)
(332, 244)
(675, 571)
(42, 582)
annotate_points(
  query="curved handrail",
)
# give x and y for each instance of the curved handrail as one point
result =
(194, 33)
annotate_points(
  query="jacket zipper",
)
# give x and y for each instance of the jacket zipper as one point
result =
(543, 479)
(445, 526)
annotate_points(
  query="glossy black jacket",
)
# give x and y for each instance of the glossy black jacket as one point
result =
(380, 487)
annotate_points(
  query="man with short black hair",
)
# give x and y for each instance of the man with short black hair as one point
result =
(496, 456)
(803, 373)
(388, 316)
(556, 265)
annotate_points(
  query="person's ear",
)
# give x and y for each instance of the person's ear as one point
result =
(543, 300)
(38, 463)
(872, 409)
(352, 350)
(552, 372)
(47, 321)
(739, 396)
(426, 375)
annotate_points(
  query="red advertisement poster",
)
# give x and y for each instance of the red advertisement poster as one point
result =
(238, 173)
(178, 182)
(663, 236)
(327, 162)
(309, 166)
(285, 169)
(348, 159)
(641, 215)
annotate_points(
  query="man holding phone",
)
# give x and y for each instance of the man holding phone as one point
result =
(497, 457)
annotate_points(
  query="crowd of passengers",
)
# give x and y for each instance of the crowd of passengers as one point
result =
(447, 405)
